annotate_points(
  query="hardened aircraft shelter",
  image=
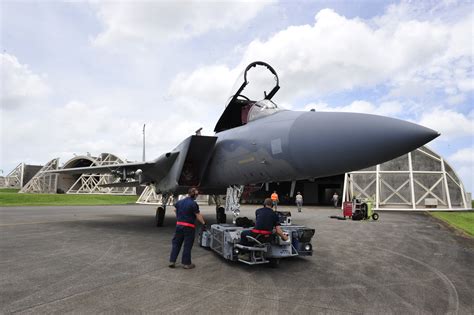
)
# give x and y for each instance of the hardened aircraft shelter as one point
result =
(14, 179)
(418, 180)
(43, 183)
(19, 176)
(86, 183)
(91, 183)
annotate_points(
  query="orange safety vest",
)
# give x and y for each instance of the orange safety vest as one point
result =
(274, 197)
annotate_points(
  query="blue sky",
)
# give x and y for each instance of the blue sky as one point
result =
(84, 76)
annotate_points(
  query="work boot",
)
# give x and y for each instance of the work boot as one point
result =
(190, 266)
(172, 265)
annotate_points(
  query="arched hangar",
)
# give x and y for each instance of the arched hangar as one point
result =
(419, 180)
(85, 183)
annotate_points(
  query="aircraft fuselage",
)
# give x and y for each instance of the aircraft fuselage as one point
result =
(295, 145)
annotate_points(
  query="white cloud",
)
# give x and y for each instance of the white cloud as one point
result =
(449, 69)
(465, 155)
(79, 127)
(204, 85)
(463, 163)
(465, 173)
(109, 122)
(20, 86)
(335, 54)
(149, 22)
(449, 123)
(456, 99)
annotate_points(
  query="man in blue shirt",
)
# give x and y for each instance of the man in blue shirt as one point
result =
(265, 220)
(187, 211)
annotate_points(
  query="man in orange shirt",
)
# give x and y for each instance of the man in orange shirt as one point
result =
(275, 200)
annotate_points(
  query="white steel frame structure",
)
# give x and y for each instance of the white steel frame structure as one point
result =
(407, 183)
(43, 183)
(15, 178)
(89, 183)
(150, 197)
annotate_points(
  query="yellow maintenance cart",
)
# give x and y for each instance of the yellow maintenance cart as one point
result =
(363, 210)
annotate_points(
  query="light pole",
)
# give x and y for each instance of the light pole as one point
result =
(143, 157)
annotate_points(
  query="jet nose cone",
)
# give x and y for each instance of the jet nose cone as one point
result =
(392, 135)
(334, 143)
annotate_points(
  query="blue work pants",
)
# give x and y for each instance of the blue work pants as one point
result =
(182, 234)
(299, 204)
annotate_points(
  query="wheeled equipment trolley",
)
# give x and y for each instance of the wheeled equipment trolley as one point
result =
(225, 240)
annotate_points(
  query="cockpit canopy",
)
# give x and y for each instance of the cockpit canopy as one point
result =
(261, 109)
(243, 105)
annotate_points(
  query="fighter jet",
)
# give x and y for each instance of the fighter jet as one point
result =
(256, 142)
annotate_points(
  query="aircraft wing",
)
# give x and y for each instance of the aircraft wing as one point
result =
(122, 184)
(153, 169)
(103, 169)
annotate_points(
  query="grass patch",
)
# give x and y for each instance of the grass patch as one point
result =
(461, 220)
(12, 198)
(8, 190)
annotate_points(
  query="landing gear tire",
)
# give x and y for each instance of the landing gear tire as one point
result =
(221, 217)
(375, 216)
(160, 216)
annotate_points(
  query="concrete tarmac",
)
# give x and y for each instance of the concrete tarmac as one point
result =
(112, 259)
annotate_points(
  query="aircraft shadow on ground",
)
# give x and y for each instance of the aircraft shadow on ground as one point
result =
(124, 222)
(144, 224)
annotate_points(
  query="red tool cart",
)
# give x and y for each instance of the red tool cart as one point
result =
(347, 209)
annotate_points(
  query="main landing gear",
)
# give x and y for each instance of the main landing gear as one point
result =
(232, 200)
(232, 203)
(161, 210)
(221, 217)
(160, 215)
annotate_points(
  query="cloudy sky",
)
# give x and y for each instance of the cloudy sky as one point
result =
(81, 77)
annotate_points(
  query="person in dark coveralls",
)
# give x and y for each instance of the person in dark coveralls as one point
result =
(187, 211)
(265, 220)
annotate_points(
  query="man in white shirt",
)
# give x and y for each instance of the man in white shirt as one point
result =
(335, 199)
(299, 201)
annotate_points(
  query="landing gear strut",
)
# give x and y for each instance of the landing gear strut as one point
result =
(161, 211)
(232, 200)
(221, 217)
(160, 215)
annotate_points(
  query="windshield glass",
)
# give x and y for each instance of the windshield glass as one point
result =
(254, 83)
(251, 96)
(236, 86)
(261, 109)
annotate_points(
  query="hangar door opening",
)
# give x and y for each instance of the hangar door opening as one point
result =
(315, 192)
(320, 191)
